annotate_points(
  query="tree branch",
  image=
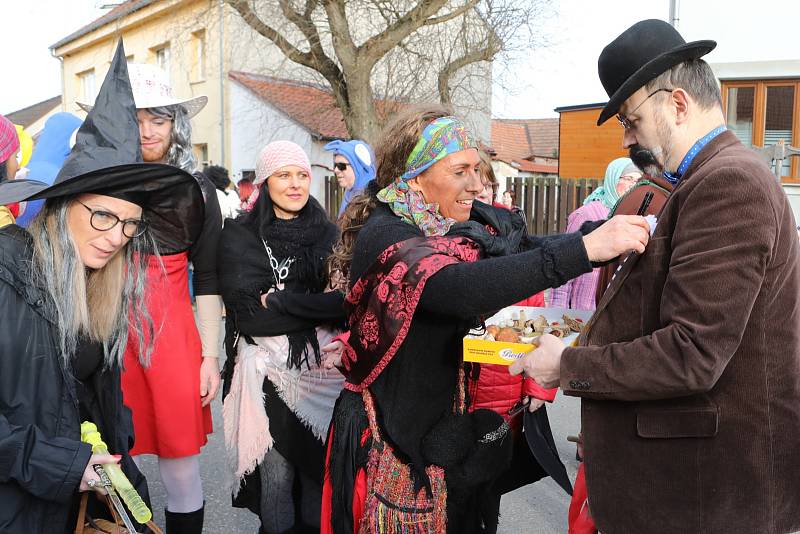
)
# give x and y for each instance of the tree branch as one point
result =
(316, 59)
(452, 15)
(252, 19)
(378, 45)
(309, 9)
(343, 43)
(447, 72)
(303, 22)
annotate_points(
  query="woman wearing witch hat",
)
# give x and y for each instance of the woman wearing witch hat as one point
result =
(70, 293)
(170, 398)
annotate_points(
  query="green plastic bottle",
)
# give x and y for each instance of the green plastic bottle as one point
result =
(139, 510)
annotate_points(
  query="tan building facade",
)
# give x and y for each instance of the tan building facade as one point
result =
(199, 43)
(183, 37)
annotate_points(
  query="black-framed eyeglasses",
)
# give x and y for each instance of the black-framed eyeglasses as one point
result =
(341, 165)
(104, 221)
(625, 122)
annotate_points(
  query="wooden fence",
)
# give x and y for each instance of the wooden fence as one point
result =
(546, 202)
(333, 197)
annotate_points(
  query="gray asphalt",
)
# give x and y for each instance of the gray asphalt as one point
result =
(539, 508)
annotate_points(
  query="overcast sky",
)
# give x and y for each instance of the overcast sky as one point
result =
(562, 75)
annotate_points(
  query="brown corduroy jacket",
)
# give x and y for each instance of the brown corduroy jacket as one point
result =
(689, 371)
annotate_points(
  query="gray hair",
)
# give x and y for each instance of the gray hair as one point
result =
(102, 305)
(180, 147)
(693, 76)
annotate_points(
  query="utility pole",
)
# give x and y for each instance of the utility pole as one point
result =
(222, 83)
(674, 16)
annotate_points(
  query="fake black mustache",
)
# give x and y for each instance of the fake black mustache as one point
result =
(643, 157)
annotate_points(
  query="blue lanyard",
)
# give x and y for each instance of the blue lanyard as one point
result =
(675, 177)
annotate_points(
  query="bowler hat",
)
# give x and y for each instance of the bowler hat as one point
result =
(642, 52)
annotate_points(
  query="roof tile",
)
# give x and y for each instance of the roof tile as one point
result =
(518, 141)
(312, 106)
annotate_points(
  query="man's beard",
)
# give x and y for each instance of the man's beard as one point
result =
(645, 160)
(155, 155)
(648, 159)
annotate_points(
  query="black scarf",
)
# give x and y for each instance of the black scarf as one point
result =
(509, 236)
(307, 238)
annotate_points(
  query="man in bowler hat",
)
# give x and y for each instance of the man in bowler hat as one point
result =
(690, 411)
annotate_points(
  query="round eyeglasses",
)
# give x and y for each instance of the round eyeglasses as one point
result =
(104, 221)
(625, 121)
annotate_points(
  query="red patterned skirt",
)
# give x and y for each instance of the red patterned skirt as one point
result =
(168, 420)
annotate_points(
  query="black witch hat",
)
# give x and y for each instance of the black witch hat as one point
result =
(107, 160)
(642, 52)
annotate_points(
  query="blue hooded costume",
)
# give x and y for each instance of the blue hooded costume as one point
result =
(52, 148)
(362, 160)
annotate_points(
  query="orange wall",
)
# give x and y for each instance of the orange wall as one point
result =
(586, 149)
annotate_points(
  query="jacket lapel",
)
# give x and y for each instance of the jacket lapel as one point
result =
(608, 295)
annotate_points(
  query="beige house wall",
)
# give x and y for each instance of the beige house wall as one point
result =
(179, 25)
(230, 45)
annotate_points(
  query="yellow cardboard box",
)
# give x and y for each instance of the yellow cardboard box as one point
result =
(481, 350)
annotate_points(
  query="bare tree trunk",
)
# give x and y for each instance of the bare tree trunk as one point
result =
(363, 120)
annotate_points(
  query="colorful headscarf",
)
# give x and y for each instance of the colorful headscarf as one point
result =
(439, 139)
(607, 193)
(9, 140)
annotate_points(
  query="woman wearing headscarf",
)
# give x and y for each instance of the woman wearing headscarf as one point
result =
(427, 265)
(278, 399)
(71, 294)
(354, 167)
(9, 148)
(621, 175)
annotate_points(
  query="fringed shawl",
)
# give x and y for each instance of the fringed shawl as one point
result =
(381, 304)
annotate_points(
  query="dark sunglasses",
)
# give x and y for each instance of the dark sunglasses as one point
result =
(341, 165)
(104, 221)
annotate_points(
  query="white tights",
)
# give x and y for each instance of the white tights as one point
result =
(181, 479)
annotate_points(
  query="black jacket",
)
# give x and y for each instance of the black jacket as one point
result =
(416, 390)
(41, 456)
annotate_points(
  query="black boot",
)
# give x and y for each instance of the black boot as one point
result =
(186, 523)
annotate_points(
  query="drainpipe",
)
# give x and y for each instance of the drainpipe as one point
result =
(674, 16)
(63, 84)
(222, 82)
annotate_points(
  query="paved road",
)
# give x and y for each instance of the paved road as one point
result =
(540, 508)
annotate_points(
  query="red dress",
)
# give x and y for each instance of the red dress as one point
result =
(165, 398)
